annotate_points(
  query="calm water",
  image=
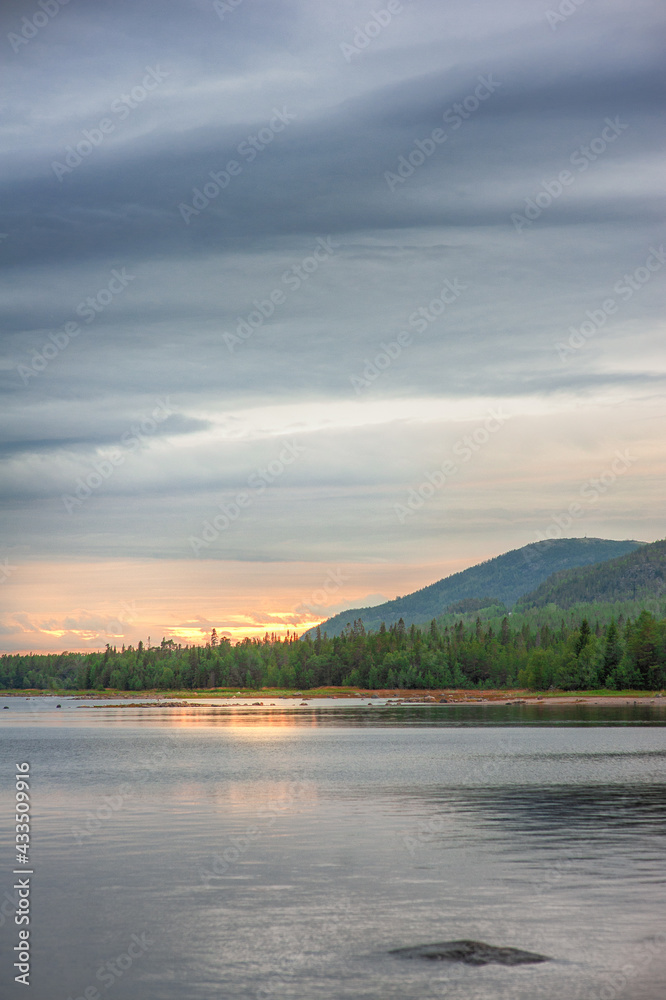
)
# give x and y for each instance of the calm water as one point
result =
(276, 852)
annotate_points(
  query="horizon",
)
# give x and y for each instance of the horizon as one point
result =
(281, 632)
(298, 316)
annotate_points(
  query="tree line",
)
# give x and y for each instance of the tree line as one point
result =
(573, 655)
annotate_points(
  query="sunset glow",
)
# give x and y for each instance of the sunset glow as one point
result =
(363, 359)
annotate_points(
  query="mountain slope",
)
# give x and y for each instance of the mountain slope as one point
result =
(503, 579)
(634, 576)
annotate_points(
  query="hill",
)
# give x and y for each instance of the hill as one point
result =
(502, 580)
(634, 577)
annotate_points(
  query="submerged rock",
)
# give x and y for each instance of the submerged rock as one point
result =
(469, 952)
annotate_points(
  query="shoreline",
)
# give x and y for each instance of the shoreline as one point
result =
(389, 697)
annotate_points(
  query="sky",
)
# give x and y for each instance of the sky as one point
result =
(307, 305)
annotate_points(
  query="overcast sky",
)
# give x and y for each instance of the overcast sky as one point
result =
(307, 305)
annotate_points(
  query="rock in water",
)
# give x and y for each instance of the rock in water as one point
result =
(469, 952)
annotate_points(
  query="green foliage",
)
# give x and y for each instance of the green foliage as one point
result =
(612, 655)
(631, 577)
(537, 650)
(582, 638)
(507, 577)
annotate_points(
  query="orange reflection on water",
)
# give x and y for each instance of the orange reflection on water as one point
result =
(287, 722)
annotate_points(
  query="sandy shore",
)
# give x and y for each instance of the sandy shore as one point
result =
(392, 697)
(521, 698)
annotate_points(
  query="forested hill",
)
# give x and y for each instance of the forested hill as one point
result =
(503, 580)
(638, 575)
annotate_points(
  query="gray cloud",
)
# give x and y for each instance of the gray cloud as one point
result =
(173, 328)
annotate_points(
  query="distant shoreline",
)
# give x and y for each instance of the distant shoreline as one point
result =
(395, 697)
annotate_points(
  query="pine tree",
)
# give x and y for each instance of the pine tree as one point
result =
(612, 651)
(583, 637)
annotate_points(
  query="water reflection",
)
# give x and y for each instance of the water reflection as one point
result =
(324, 713)
(283, 853)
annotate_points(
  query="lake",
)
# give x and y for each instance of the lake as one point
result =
(283, 852)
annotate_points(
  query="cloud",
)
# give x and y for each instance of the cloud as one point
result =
(257, 336)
